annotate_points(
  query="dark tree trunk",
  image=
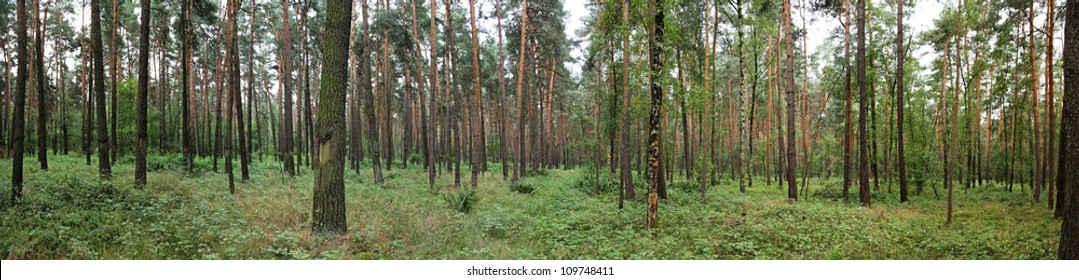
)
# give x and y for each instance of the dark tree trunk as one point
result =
(1069, 232)
(655, 51)
(899, 100)
(234, 90)
(42, 85)
(144, 88)
(20, 101)
(103, 164)
(863, 151)
(791, 149)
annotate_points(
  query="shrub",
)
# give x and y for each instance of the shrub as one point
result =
(522, 187)
(462, 200)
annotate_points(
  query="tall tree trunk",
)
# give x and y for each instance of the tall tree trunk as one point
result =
(234, 89)
(792, 155)
(115, 63)
(1069, 232)
(848, 136)
(433, 76)
(477, 98)
(369, 99)
(18, 114)
(655, 52)
(501, 95)
(627, 177)
(863, 104)
(184, 81)
(144, 89)
(521, 113)
(1036, 179)
(328, 212)
(1047, 173)
(286, 55)
(900, 86)
(103, 165)
(42, 85)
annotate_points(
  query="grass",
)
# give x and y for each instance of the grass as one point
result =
(67, 213)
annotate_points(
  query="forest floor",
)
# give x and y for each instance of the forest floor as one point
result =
(67, 213)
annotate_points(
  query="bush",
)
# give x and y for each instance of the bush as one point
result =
(685, 186)
(462, 200)
(588, 184)
(521, 187)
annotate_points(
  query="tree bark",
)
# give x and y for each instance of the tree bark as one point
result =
(900, 86)
(369, 99)
(655, 52)
(791, 149)
(328, 212)
(42, 85)
(103, 164)
(477, 98)
(286, 118)
(144, 88)
(18, 113)
(1069, 232)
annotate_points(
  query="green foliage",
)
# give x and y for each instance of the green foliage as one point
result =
(589, 182)
(522, 187)
(462, 200)
(68, 214)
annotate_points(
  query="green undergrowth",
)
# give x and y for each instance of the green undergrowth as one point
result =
(68, 213)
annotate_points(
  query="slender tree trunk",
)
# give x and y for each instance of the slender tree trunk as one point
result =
(863, 152)
(18, 116)
(521, 113)
(433, 76)
(627, 177)
(234, 89)
(900, 86)
(115, 63)
(477, 98)
(655, 50)
(144, 88)
(1036, 179)
(848, 136)
(365, 80)
(42, 85)
(792, 155)
(103, 165)
(286, 131)
(501, 95)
